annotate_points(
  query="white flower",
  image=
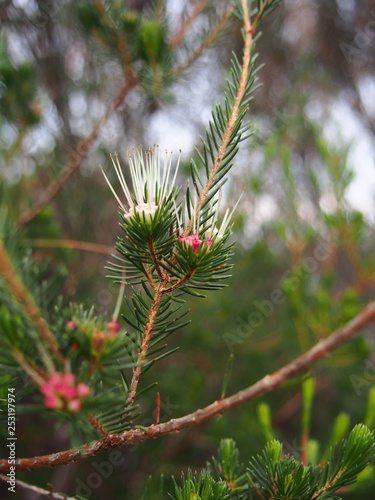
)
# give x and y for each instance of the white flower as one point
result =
(151, 183)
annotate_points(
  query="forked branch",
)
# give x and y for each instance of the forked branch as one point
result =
(76, 157)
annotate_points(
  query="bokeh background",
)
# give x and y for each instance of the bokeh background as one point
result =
(304, 258)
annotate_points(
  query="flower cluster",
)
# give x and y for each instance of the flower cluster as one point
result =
(214, 231)
(61, 393)
(113, 326)
(98, 336)
(194, 241)
(152, 185)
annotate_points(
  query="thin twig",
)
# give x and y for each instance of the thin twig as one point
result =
(154, 258)
(149, 276)
(85, 246)
(179, 36)
(248, 31)
(39, 491)
(180, 282)
(76, 157)
(23, 297)
(119, 40)
(154, 308)
(265, 385)
(94, 422)
(27, 368)
(210, 38)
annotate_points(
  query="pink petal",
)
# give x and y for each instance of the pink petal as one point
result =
(113, 327)
(75, 405)
(83, 390)
(68, 378)
(53, 402)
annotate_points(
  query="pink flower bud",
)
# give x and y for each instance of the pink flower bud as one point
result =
(83, 389)
(60, 392)
(113, 327)
(194, 241)
(75, 405)
(191, 240)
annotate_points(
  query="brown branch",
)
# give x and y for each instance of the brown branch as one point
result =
(179, 36)
(210, 38)
(37, 377)
(85, 246)
(76, 157)
(145, 341)
(39, 491)
(149, 276)
(154, 258)
(328, 485)
(248, 30)
(94, 422)
(265, 385)
(20, 293)
(180, 282)
(119, 40)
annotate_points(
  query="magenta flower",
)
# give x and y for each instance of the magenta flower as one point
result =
(113, 327)
(194, 241)
(61, 393)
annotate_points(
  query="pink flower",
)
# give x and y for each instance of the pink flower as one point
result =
(191, 240)
(70, 324)
(113, 327)
(83, 390)
(194, 241)
(60, 392)
(74, 405)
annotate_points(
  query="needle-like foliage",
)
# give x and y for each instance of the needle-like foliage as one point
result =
(274, 476)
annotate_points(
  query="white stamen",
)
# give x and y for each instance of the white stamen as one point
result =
(150, 186)
(113, 191)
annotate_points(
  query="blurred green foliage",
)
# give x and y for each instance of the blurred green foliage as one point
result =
(300, 272)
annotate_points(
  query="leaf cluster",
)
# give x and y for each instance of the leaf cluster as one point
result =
(274, 476)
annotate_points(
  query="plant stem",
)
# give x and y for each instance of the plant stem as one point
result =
(211, 37)
(94, 422)
(38, 491)
(27, 368)
(248, 30)
(86, 246)
(154, 308)
(179, 36)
